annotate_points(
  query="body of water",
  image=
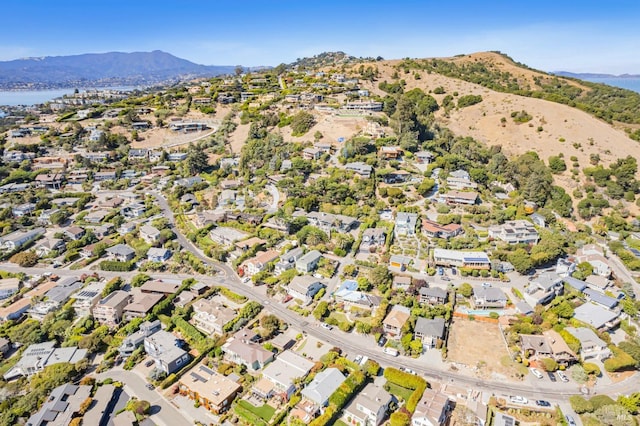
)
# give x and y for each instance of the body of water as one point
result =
(33, 97)
(625, 83)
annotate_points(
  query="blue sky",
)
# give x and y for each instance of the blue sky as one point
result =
(602, 36)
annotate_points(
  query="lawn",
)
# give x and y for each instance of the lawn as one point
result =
(399, 391)
(340, 423)
(265, 412)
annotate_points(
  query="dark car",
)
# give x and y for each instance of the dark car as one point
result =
(543, 403)
(382, 341)
(148, 363)
(150, 386)
(552, 376)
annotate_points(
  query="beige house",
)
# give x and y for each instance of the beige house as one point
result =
(212, 390)
(395, 320)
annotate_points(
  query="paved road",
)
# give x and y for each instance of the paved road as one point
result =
(353, 342)
(164, 413)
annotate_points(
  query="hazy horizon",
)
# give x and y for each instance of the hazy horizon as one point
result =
(588, 38)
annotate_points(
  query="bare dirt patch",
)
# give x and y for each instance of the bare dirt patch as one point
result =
(479, 346)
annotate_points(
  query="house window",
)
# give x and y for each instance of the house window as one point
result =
(179, 361)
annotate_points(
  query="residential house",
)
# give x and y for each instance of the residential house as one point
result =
(211, 317)
(349, 294)
(323, 385)
(373, 237)
(360, 168)
(45, 216)
(538, 220)
(209, 389)
(459, 197)
(150, 234)
(488, 298)
(603, 300)
(399, 262)
(462, 259)
(36, 357)
(594, 255)
(121, 253)
(405, 223)
(227, 236)
(311, 153)
(435, 230)
(127, 228)
(63, 289)
(304, 288)
(135, 340)
(283, 372)
(74, 233)
(96, 216)
(251, 355)
(401, 282)
(429, 331)
(49, 180)
(48, 245)
(308, 262)
(9, 287)
(597, 316)
(433, 295)
(15, 310)
(515, 232)
(23, 209)
(329, 222)
(544, 289)
(395, 320)
(180, 156)
(5, 345)
(156, 254)
(140, 305)
(369, 407)
(109, 310)
(62, 404)
(424, 157)
(288, 260)
(591, 346)
(104, 176)
(549, 345)
(163, 347)
(432, 410)
(88, 297)
(133, 211)
(259, 262)
(245, 245)
(460, 180)
(598, 283)
(390, 152)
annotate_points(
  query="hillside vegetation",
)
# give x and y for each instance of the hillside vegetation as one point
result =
(605, 102)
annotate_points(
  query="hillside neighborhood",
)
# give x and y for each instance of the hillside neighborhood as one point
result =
(308, 245)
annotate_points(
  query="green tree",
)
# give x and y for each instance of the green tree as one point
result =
(380, 276)
(301, 123)
(196, 161)
(322, 310)
(520, 260)
(557, 164)
(25, 259)
(465, 290)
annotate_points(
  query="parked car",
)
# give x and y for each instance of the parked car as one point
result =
(150, 386)
(570, 420)
(453, 271)
(563, 376)
(543, 403)
(327, 326)
(440, 270)
(486, 285)
(287, 298)
(552, 376)
(382, 341)
(536, 373)
(148, 363)
(517, 399)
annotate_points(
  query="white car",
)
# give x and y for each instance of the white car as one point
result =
(517, 399)
(327, 326)
(563, 376)
(536, 373)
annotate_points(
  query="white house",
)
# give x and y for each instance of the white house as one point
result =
(304, 288)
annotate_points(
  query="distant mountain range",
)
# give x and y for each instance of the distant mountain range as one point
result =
(586, 75)
(102, 69)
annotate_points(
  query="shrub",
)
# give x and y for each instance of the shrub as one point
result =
(400, 418)
(600, 401)
(468, 100)
(549, 364)
(580, 405)
(621, 361)
(591, 369)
